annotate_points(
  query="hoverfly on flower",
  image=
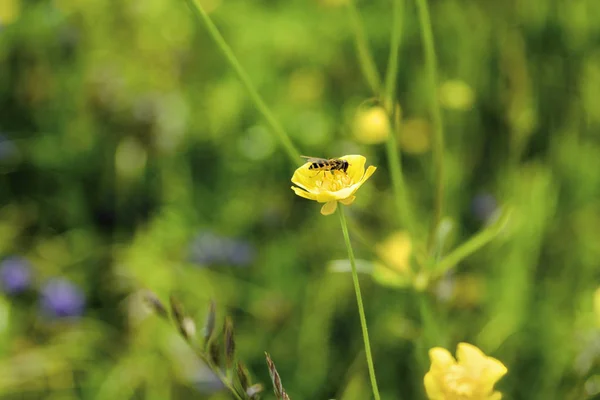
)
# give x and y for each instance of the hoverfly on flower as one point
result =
(339, 188)
(324, 164)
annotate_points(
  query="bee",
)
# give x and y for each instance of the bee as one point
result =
(323, 164)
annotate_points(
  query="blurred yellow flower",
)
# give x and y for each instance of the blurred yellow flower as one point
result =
(9, 11)
(331, 187)
(371, 126)
(394, 252)
(471, 378)
(456, 95)
(306, 86)
(415, 136)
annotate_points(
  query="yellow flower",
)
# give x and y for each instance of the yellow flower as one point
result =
(394, 252)
(9, 11)
(372, 126)
(329, 188)
(471, 378)
(456, 95)
(415, 136)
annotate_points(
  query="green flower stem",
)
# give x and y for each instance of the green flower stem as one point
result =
(392, 67)
(365, 58)
(431, 319)
(260, 104)
(438, 131)
(387, 94)
(476, 242)
(398, 186)
(361, 310)
(389, 99)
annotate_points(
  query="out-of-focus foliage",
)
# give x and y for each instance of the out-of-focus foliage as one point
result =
(131, 159)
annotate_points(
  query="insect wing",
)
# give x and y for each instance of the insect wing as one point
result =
(317, 160)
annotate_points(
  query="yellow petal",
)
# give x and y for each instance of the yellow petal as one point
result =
(302, 177)
(325, 197)
(303, 193)
(356, 167)
(441, 359)
(493, 371)
(329, 208)
(471, 358)
(344, 193)
(350, 190)
(348, 201)
(370, 171)
(433, 387)
(495, 396)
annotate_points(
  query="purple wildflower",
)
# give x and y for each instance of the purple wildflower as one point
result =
(8, 150)
(61, 298)
(210, 249)
(15, 275)
(241, 253)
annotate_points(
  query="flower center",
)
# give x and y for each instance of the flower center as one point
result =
(333, 182)
(459, 385)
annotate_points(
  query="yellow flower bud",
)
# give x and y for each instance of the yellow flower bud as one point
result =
(371, 126)
(415, 136)
(456, 95)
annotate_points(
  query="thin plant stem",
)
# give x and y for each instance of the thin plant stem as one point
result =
(365, 58)
(214, 368)
(403, 208)
(392, 67)
(361, 310)
(387, 95)
(474, 243)
(260, 104)
(389, 100)
(217, 371)
(438, 126)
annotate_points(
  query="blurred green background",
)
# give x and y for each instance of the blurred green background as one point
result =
(132, 160)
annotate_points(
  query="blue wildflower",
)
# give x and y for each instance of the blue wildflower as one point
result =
(483, 207)
(15, 275)
(61, 298)
(241, 253)
(210, 249)
(8, 150)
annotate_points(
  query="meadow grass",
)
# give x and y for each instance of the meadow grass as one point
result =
(146, 154)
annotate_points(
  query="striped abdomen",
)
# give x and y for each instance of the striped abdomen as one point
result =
(322, 166)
